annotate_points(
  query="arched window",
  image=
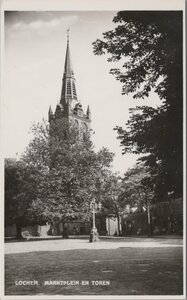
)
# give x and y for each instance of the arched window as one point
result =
(74, 90)
(68, 87)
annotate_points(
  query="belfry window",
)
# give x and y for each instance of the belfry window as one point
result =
(68, 87)
(74, 89)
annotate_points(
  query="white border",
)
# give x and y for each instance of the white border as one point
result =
(88, 5)
(93, 4)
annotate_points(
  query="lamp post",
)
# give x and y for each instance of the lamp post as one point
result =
(94, 235)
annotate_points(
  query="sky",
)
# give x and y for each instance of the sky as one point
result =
(35, 46)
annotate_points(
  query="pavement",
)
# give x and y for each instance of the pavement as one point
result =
(59, 244)
(111, 266)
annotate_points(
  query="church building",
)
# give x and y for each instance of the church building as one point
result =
(70, 109)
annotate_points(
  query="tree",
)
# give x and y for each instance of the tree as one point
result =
(151, 45)
(20, 190)
(138, 189)
(68, 169)
(146, 134)
(113, 205)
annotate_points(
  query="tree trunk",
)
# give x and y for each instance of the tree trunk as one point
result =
(118, 218)
(18, 231)
(65, 231)
(149, 221)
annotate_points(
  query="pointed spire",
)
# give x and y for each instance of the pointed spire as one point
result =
(50, 113)
(88, 112)
(68, 84)
(50, 110)
(68, 69)
(68, 36)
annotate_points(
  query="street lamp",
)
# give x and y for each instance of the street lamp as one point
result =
(94, 235)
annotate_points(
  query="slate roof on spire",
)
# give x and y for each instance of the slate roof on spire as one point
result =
(68, 69)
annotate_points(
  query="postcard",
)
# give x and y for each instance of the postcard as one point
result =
(93, 149)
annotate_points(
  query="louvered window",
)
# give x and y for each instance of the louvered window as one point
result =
(68, 87)
(74, 89)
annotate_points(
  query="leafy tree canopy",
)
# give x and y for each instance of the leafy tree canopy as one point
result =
(151, 43)
(138, 187)
(68, 170)
(20, 190)
(150, 46)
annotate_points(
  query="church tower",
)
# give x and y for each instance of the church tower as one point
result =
(69, 106)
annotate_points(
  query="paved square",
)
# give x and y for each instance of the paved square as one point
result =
(126, 266)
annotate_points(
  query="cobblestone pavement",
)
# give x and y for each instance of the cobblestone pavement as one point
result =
(59, 244)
